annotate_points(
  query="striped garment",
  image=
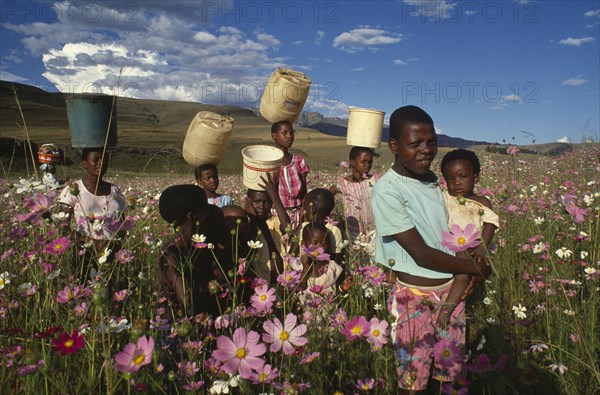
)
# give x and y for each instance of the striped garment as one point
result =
(357, 205)
(290, 181)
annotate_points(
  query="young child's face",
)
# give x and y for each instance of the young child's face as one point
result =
(259, 203)
(317, 238)
(415, 149)
(94, 165)
(209, 180)
(362, 163)
(284, 137)
(460, 178)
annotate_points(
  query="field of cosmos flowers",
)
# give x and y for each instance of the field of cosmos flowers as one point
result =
(533, 328)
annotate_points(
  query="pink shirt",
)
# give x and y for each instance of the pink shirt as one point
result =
(290, 181)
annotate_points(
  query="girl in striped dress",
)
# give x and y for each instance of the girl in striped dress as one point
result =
(356, 192)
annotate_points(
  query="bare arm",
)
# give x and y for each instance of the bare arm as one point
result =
(433, 259)
(333, 189)
(455, 295)
(270, 186)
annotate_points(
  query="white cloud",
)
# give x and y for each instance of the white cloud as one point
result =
(320, 35)
(357, 39)
(399, 62)
(512, 97)
(362, 68)
(575, 81)
(576, 42)
(6, 76)
(298, 42)
(564, 139)
(593, 13)
(164, 51)
(431, 9)
(268, 39)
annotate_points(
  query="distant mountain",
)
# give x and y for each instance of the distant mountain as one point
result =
(338, 127)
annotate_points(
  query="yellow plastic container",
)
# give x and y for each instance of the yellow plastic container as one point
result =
(285, 95)
(207, 138)
(365, 127)
(258, 161)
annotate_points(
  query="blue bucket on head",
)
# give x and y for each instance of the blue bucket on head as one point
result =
(90, 117)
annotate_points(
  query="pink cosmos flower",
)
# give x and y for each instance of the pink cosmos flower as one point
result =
(340, 318)
(265, 375)
(58, 246)
(446, 353)
(38, 204)
(193, 386)
(344, 165)
(287, 336)
(366, 385)
(67, 294)
(378, 333)
(356, 328)
(124, 256)
(459, 239)
(513, 150)
(310, 357)
(68, 344)
(188, 369)
(314, 252)
(263, 299)
(577, 213)
(483, 364)
(375, 275)
(241, 353)
(134, 356)
(80, 310)
(289, 278)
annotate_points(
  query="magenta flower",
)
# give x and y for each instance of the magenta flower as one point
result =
(446, 353)
(378, 333)
(67, 294)
(58, 246)
(339, 318)
(483, 364)
(68, 344)
(577, 212)
(188, 369)
(193, 386)
(263, 298)
(287, 336)
(265, 375)
(459, 239)
(375, 275)
(315, 252)
(356, 328)
(240, 354)
(134, 356)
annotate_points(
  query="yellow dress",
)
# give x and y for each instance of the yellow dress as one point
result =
(471, 212)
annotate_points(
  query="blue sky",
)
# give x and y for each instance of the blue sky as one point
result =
(484, 70)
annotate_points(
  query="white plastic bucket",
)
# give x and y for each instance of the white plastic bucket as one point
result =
(285, 95)
(258, 161)
(207, 138)
(365, 127)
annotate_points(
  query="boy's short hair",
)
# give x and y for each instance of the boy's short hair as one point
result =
(198, 170)
(459, 154)
(322, 199)
(178, 200)
(356, 151)
(407, 115)
(277, 125)
(86, 151)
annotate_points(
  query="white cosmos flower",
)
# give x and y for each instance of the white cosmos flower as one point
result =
(520, 311)
(105, 254)
(569, 312)
(4, 279)
(590, 270)
(222, 386)
(539, 248)
(588, 200)
(560, 367)
(563, 252)
(255, 244)
(540, 347)
(198, 238)
(487, 301)
(538, 220)
(490, 320)
(584, 254)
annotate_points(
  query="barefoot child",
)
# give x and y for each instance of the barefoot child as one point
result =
(461, 169)
(410, 216)
(207, 176)
(356, 192)
(292, 172)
